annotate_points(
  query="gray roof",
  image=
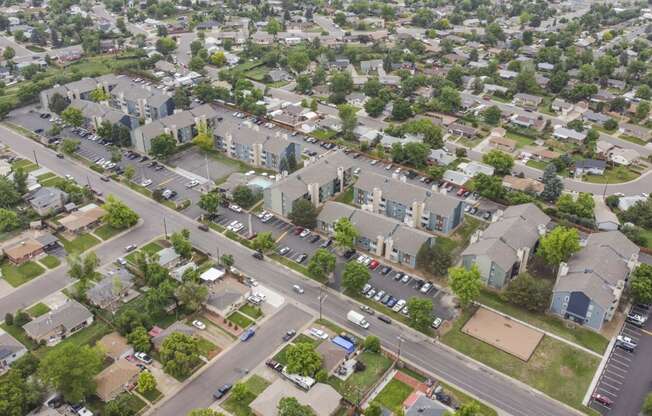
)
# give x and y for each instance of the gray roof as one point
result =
(177, 327)
(406, 193)
(424, 406)
(68, 316)
(102, 293)
(167, 255)
(47, 196)
(178, 120)
(92, 109)
(590, 164)
(9, 346)
(135, 92)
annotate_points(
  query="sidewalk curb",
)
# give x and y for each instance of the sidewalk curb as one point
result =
(598, 373)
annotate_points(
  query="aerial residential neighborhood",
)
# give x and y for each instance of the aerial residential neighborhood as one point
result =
(325, 208)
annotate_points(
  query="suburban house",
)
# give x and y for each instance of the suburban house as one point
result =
(590, 167)
(626, 202)
(561, 106)
(503, 249)
(115, 379)
(623, 156)
(457, 129)
(441, 157)
(543, 153)
(605, 219)
(10, 351)
(258, 149)
(502, 143)
(84, 219)
(527, 100)
(317, 182)
(59, 323)
(636, 131)
(48, 200)
(168, 258)
(413, 205)
(589, 286)
(593, 117)
(564, 133)
(115, 346)
(160, 335)
(183, 126)
(108, 294)
(381, 236)
(321, 398)
(29, 246)
(418, 404)
(473, 168)
(528, 122)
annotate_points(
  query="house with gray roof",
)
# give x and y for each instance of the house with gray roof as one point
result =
(10, 351)
(381, 236)
(59, 323)
(108, 293)
(413, 205)
(502, 250)
(168, 258)
(177, 327)
(48, 200)
(590, 284)
(418, 404)
(318, 181)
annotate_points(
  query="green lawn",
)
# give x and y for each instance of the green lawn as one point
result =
(613, 175)
(291, 264)
(255, 385)
(240, 320)
(50, 261)
(18, 275)
(323, 134)
(152, 247)
(55, 181)
(647, 234)
(153, 395)
(106, 231)
(521, 140)
(581, 336)
(359, 383)
(464, 398)
(346, 197)
(251, 311)
(555, 368)
(632, 139)
(27, 165)
(299, 339)
(257, 74)
(80, 244)
(135, 403)
(20, 335)
(45, 177)
(537, 164)
(206, 347)
(38, 310)
(87, 336)
(393, 395)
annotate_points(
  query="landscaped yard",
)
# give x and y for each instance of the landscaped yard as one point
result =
(18, 275)
(464, 398)
(50, 261)
(537, 164)
(153, 395)
(151, 248)
(299, 339)
(87, 336)
(255, 385)
(393, 395)
(27, 165)
(346, 197)
(38, 310)
(45, 177)
(615, 175)
(251, 311)
(323, 134)
(581, 336)
(359, 383)
(521, 140)
(80, 244)
(106, 231)
(555, 368)
(240, 320)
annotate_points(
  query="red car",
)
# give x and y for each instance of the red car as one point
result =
(605, 401)
(374, 264)
(298, 230)
(461, 192)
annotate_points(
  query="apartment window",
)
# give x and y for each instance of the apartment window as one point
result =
(566, 298)
(591, 307)
(588, 315)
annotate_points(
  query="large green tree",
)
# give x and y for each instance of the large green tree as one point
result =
(209, 202)
(82, 268)
(465, 284)
(303, 359)
(191, 295)
(558, 245)
(181, 243)
(349, 120)
(419, 312)
(303, 213)
(640, 286)
(345, 234)
(72, 116)
(321, 264)
(502, 162)
(162, 145)
(180, 354)
(529, 293)
(289, 406)
(118, 214)
(263, 242)
(70, 369)
(354, 277)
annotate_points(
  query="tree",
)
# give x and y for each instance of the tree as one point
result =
(502, 162)
(640, 285)
(581, 207)
(100, 94)
(552, 184)
(303, 84)
(191, 295)
(181, 98)
(72, 116)
(130, 172)
(434, 259)
(341, 84)
(8, 53)
(492, 115)
(227, 260)
(209, 202)
(9, 197)
(204, 412)
(419, 312)
(298, 59)
(181, 243)
(263, 242)
(82, 268)
(58, 103)
(119, 406)
(529, 293)
(69, 146)
(146, 382)
(20, 180)
(289, 406)
(116, 154)
(373, 410)
(346, 113)
(345, 234)
(449, 100)
(166, 45)
(303, 213)
(196, 64)
(240, 392)
(180, 354)
(118, 214)
(642, 110)
(490, 187)
(526, 80)
(321, 264)
(70, 369)
(605, 65)
(374, 106)
(139, 339)
(355, 276)
(401, 110)
(218, 59)
(558, 245)
(162, 145)
(18, 395)
(647, 405)
(302, 359)
(372, 344)
(455, 75)
(466, 284)
(273, 26)
(244, 196)
(471, 408)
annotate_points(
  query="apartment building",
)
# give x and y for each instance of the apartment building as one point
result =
(141, 101)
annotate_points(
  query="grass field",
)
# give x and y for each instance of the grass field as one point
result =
(206, 347)
(346, 197)
(615, 175)
(393, 395)
(521, 140)
(584, 337)
(632, 139)
(153, 395)
(38, 310)
(537, 164)
(251, 311)
(80, 244)
(151, 248)
(18, 275)
(240, 320)
(359, 383)
(255, 385)
(50, 261)
(555, 368)
(106, 231)
(464, 398)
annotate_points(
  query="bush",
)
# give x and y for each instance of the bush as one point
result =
(9, 319)
(21, 318)
(372, 344)
(529, 293)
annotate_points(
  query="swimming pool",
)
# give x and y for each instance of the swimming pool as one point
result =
(260, 182)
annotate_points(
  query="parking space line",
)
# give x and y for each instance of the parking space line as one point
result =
(620, 363)
(613, 374)
(615, 367)
(611, 379)
(610, 386)
(622, 357)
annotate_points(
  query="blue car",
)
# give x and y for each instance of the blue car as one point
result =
(392, 301)
(247, 334)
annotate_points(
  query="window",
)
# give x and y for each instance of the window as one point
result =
(566, 298)
(591, 307)
(588, 315)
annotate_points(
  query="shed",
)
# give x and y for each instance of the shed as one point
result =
(347, 345)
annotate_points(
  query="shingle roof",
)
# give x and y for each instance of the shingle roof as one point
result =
(69, 315)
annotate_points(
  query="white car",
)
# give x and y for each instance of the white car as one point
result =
(192, 183)
(141, 356)
(305, 233)
(84, 412)
(121, 261)
(70, 178)
(436, 323)
(318, 333)
(267, 217)
(235, 208)
(374, 162)
(361, 259)
(357, 171)
(399, 305)
(397, 171)
(146, 182)
(238, 227)
(425, 288)
(199, 324)
(370, 294)
(262, 214)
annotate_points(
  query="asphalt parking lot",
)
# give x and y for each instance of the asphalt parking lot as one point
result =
(626, 377)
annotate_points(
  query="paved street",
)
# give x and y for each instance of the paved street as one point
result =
(228, 368)
(482, 382)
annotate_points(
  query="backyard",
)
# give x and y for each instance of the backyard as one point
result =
(360, 382)
(393, 395)
(255, 385)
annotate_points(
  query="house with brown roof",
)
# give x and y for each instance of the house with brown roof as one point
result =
(29, 246)
(115, 346)
(502, 143)
(544, 154)
(84, 219)
(115, 379)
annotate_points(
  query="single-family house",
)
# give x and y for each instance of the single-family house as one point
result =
(108, 293)
(462, 130)
(527, 100)
(168, 258)
(561, 106)
(418, 404)
(503, 143)
(473, 168)
(28, 246)
(321, 398)
(590, 167)
(115, 346)
(593, 117)
(10, 351)
(636, 131)
(523, 184)
(605, 219)
(564, 133)
(623, 156)
(115, 379)
(84, 219)
(59, 323)
(502, 250)
(441, 157)
(177, 327)
(48, 200)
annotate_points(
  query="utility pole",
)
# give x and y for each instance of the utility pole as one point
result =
(398, 355)
(88, 181)
(250, 226)
(321, 291)
(165, 228)
(35, 158)
(217, 249)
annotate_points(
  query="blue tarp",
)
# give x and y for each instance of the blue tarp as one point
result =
(347, 345)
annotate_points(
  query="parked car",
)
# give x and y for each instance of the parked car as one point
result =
(203, 227)
(636, 319)
(436, 323)
(235, 208)
(603, 400)
(318, 333)
(146, 182)
(314, 239)
(426, 287)
(198, 324)
(626, 343)
(257, 255)
(192, 183)
(373, 265)
(301, 258)
(247, 335)
(385, 270)
(398, 276)
(222, 391)
(130, 247)
(385, 319)
(289, 335)
(283, 251)
(141, 356)
(305, 233)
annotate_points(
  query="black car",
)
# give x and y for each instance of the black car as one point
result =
(411, 174)
(327, 243)
(257, 255)
(60, 155)
(289, 335)
(314, 239)
(384, 319)
(203, 227)
(348, 254)
(221, 392)
(444, 398)
(38, 131)
(385, 270)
